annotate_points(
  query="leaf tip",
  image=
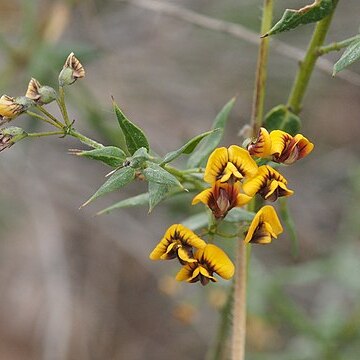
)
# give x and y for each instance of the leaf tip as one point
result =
(264, 35)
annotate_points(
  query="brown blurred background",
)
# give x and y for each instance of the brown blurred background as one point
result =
(75, 286)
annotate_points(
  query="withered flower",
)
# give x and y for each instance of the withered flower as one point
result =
(40, 94)
(71, 71)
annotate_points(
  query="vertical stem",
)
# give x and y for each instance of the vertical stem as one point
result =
(307, 65)
(239, 311)
(62, 106)
(261, 69)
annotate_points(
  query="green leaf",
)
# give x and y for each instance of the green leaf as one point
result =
(350, 55)
(281, 118)
(206, 147)
(156, 174)
(197, 221)
(188, 148)
(306, 15)
(134, 136)
(289, 225)
(239, 214)
(109, 155)
(139, 158)
(158, 192)
(137, 200)
(115, 182)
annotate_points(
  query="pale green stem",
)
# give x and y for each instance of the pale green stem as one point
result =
(239, 304)
(336, 46)
(307, 65)
(46, 133)
(261, 70)
(42, 118)
(62, 106)
(49, 115)
(85, 140)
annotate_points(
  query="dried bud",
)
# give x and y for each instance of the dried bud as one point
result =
(9, 136)
(40, 94)
(71, 71)
(11, 107)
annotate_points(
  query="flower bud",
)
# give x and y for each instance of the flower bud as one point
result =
(40, 94)
(9, 136)
(11, 107)
(71, 71)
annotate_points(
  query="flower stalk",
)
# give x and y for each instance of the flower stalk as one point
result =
(261, 70)
(306, 68)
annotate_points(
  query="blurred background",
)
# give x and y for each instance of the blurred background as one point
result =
(75, 286)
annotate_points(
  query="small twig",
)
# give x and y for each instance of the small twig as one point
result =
(46, 133)
(42, 118)
(49, 115)
(240, 32)
(336, 46)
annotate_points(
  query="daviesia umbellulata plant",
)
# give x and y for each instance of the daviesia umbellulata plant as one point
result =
(235, 187)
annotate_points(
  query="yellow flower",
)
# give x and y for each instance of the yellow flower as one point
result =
(232, 164)
(268, 183)
(178, 241)
(10, 108)
(287, 149)
(264, 227)
(261, 147)
(209, 260)
(222, 197)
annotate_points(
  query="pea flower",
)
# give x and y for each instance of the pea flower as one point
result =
(178, 241)
(209, 260)
(11, 107)
(280, 146)
(234, 163)
(261, 147)
(269, 183)
(287, 149)
(222, 197)
(264, 227)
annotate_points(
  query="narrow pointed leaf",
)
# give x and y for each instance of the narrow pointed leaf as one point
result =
(350, 55)
(206, 147)
(306, 15)
(188, 148)
(134, 136)
(156, 174)
(157, 193)
(137, 200)
(109, 155)
(116, 181)
(281, 118)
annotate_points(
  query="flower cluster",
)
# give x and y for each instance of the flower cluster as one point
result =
(234, 178)
(36, 96)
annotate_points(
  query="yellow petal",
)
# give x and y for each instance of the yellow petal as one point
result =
(241, 158)
(229, 170)
(203, 197)
(184, 255)
(279, 139)
(262, 146)
(185, 272)
(217, 260)
(269, 216)
(304, 145)
(216, 164)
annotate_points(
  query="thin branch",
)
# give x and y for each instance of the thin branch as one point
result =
(240, 32)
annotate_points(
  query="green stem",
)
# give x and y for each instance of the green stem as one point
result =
(336, 46)
(46, 133)
(42, 118)
(62, 106)
(239, 304)
(85, 140)
(52, 117)
(261, 70)
(219, 351)
(306, 68)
